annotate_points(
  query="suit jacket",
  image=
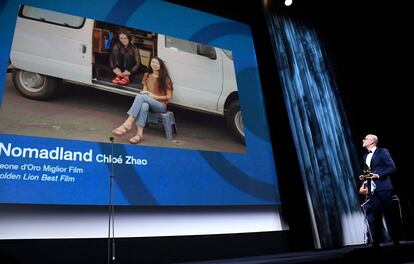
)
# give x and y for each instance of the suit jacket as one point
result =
(383, 165)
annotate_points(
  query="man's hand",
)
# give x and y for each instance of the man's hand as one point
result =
(374, 176)
(117, 71)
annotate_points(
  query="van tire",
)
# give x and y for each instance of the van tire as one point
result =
(235, 121)
(34, 85)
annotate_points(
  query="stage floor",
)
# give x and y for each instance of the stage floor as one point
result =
(156, 250)
(387, 253)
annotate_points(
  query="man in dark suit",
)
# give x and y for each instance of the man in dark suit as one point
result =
(380, 189)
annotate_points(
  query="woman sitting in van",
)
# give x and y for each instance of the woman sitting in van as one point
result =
(124, 59)
(156, 93)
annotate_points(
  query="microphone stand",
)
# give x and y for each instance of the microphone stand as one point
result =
(111, 213)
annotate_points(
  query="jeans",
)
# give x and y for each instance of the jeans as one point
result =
(141, 105)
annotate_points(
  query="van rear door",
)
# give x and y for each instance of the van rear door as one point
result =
(53, 43)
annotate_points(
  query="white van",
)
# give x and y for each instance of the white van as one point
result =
(49, 47)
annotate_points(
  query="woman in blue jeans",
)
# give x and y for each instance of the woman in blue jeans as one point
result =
(156, 93)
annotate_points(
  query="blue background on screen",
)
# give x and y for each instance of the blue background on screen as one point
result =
(171, 176)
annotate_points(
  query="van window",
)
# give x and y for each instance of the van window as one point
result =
(190, 47)
(52, 17)
(181, 44)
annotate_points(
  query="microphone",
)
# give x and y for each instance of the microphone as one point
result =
(111, 226)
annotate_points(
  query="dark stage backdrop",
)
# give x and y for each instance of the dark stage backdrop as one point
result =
(368, 44)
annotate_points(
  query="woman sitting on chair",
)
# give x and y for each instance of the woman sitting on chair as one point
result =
(156, 93)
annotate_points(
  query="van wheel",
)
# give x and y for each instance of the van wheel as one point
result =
(235, 121)
(34, 85)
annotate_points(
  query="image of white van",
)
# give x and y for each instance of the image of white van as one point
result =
(50, 47)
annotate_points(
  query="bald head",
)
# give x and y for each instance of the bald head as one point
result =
(374, 138)
(370, 141)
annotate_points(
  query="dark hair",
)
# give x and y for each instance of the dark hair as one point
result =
(127, 33)
(163, 77)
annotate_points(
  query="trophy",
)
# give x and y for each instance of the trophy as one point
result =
(366, 174)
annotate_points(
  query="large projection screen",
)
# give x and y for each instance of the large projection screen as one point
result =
(41, 165)
(231, 174)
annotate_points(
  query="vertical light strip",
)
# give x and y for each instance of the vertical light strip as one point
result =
(319, 128)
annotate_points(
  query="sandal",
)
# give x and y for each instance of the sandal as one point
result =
(136, 139)
(117, 79)
(120, 131)
(124, 81)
